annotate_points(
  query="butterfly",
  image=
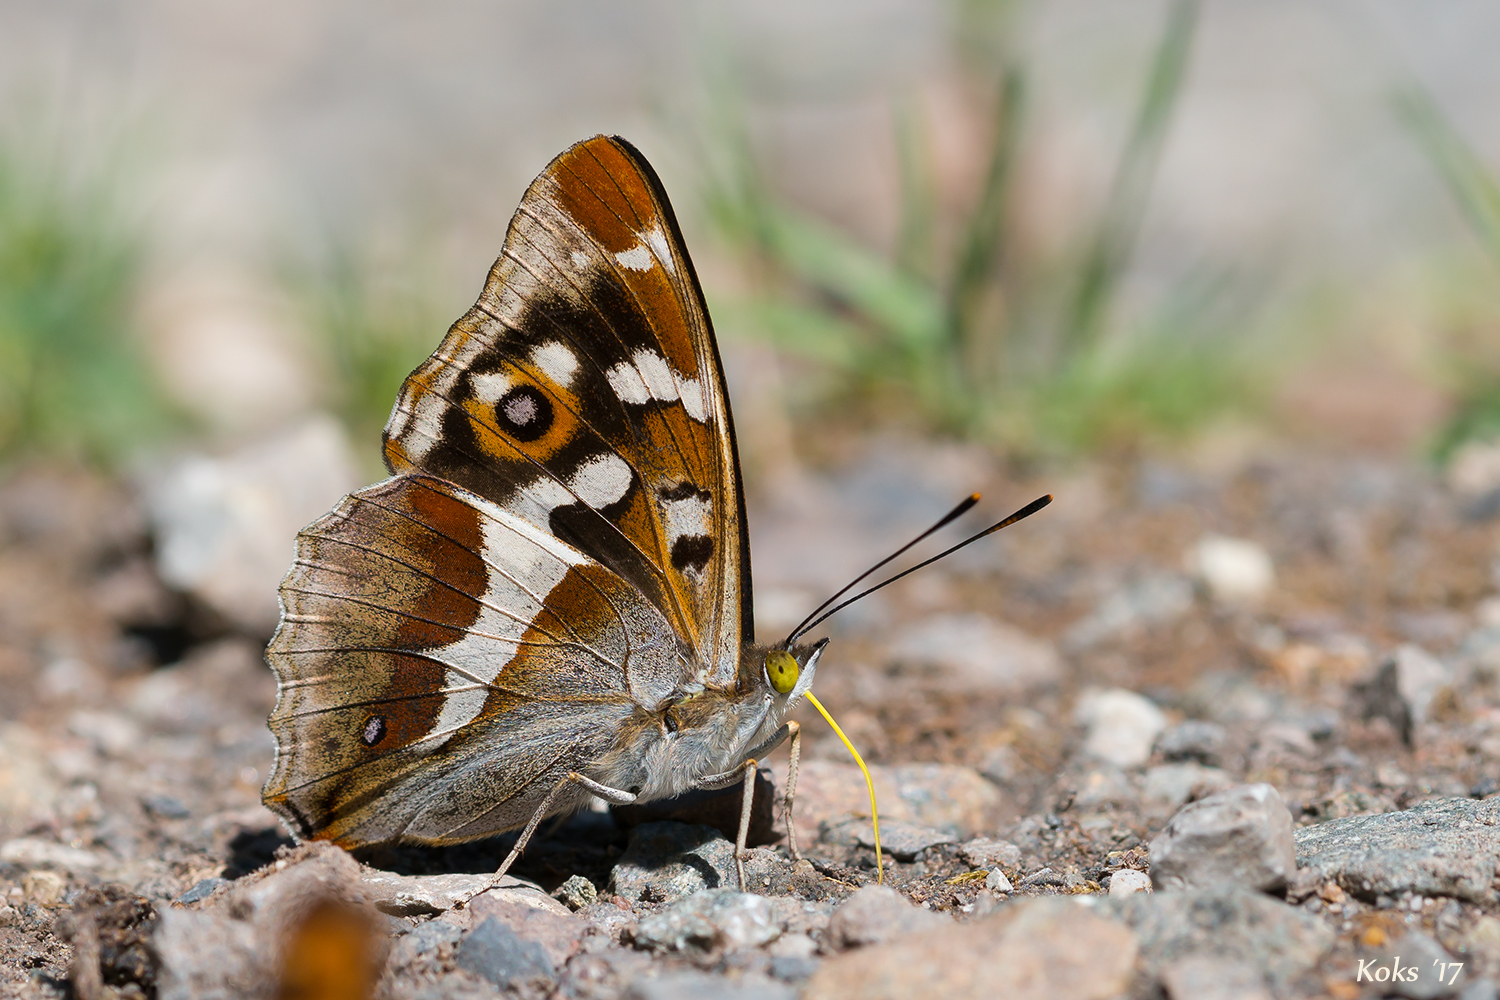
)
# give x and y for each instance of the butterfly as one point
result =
(550, 597)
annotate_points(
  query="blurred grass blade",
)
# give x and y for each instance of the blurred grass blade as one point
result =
(1109, 254)
(74, 381)
(1469, 180)
(374, 320)
(984, 237)
(857, 278)
(1475, 188)
(914, 245)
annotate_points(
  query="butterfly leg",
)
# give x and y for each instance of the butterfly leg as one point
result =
(745, 772)
(794, 753)
(616, 796)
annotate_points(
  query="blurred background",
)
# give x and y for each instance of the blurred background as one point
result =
(1224, 276)
(1049, 228)
(1046, 231)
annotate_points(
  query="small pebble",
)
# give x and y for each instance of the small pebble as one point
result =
(1193, 740)
(996, 881)
(201, 890)
(1128, 881)
(1234, 570)
(711, 918)
(1122, 726)
(576, 893)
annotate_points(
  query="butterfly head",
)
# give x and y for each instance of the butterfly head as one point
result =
(788, 669)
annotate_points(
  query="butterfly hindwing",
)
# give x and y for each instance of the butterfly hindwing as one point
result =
(583, 392)
(419, 637)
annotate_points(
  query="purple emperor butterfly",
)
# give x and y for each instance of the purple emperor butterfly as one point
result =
(549, 599)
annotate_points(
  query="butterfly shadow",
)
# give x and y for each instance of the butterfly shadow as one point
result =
(587, 843)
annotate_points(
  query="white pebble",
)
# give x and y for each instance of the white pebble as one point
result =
(1122, 725)
(1128, 881)
(1235, 570)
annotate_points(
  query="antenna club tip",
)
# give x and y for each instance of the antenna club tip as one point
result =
(974, 497)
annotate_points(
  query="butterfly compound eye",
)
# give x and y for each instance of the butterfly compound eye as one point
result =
(782, 670)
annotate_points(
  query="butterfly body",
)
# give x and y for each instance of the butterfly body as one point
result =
(550, 597)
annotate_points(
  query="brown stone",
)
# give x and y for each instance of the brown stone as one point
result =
(944, 796)
(1047, 949)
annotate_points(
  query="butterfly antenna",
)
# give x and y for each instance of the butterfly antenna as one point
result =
(962, 508)
(1024, 512)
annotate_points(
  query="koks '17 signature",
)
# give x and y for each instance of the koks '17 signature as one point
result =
(1371, 971)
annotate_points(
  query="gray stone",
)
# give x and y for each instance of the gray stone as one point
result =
(1483, 942)
(983, 852)
(493, 951)
(709, 919)
(996, 881)
(1102, 786)
(1241, 836)
(1421, 952)
(456, 985)
(942, 796)
(1045, 949)
(1171, 785)
(414, 895)
(559, 934)
(424, 945)
(1444, 847)
(702, 986)
(1206, 977)
(165, 807)
(1121, 725)
(202, 889)
(1480, 651)
(609, 919)
(666, 861)
(1478, 989)
(973, 652)
(208, 956)
(227, 946)
(224, 525)
(1001, 765)
(879, 913)
(793, 968)
(34, 852)
(1128, 881)
(901, 840)
(1227, 922)
(576, 892)
(1403, 689)
(1193, 740)
(1152, 600)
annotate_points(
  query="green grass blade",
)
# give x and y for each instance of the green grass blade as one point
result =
(1472, 184)
(984, 237)
(914, 246)
(1109, 253)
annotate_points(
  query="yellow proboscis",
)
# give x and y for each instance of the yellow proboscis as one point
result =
(869, 783)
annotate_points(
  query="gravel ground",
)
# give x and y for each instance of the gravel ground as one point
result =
(1268, 692)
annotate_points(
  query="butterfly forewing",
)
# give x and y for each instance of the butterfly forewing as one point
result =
(583, 393)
